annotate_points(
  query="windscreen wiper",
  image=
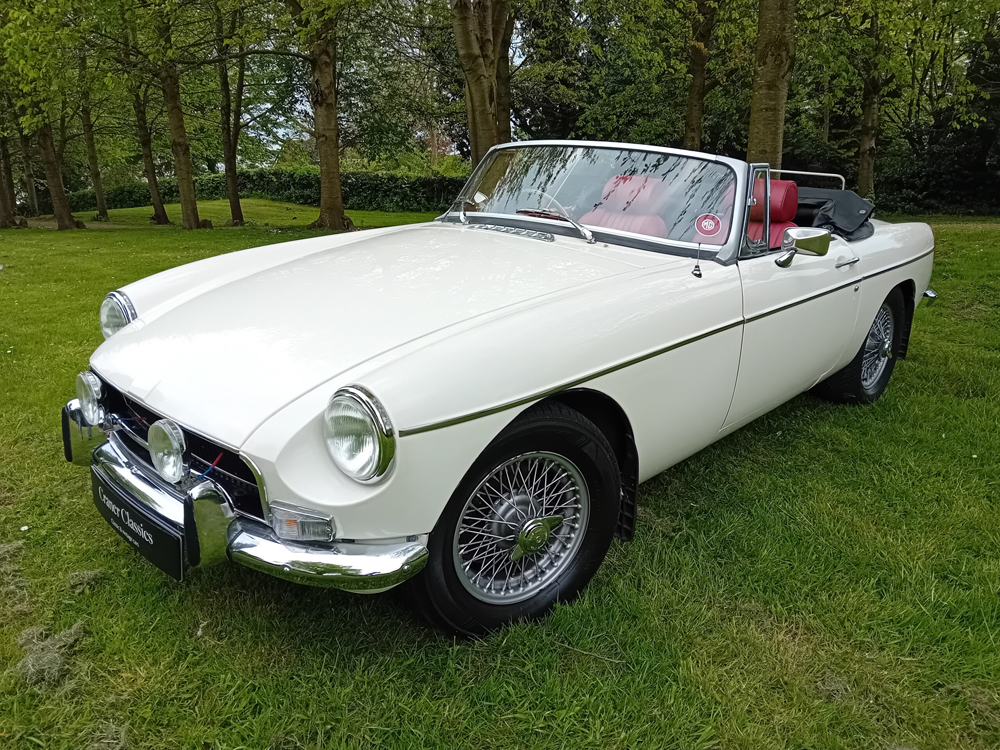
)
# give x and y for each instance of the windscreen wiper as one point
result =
(548, 213)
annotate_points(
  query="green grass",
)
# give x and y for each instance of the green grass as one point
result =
(825, 578)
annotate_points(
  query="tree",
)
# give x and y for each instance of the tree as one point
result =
(37, 40)
(88, 133)
(231, 110)
(482, 38)
(702, 25)
(148, 162)
(170, 83)
(7, 208)
(774, 57)
(317, 31)
(30, 194)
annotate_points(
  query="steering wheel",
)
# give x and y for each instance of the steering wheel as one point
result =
(551, 199)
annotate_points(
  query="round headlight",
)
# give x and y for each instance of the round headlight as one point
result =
(116, 313)
(358, 434)
(166, 448)
(88, 393)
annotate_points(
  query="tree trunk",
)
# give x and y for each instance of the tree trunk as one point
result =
(826, 118)
(6, 190)
(871, 95)
(6, 214)
(432, 143)
(7, 195)
(170, 83)
(227, 123)
(323, 94)
(146, 141)
(774, 57)
(29, 175)
(702, 26)
(503, 83)
(88, 136)
(53, 176)
(479, 29)
(322, 37)
(869, 129)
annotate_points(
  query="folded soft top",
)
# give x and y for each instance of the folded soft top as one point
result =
(843, 212)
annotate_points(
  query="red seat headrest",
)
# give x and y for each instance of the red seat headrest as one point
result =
(639, 195)
(784, 201)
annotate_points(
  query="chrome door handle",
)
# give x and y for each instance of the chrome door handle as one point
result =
(851, 262)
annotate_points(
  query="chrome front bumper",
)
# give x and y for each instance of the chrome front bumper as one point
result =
(212, 532)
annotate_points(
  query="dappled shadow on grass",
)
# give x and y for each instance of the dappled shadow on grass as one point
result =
(264, 612)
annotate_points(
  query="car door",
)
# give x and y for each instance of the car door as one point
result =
(798, 321)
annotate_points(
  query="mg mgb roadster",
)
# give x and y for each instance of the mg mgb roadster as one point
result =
(467, 406)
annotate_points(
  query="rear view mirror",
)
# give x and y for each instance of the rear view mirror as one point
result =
(805, 240)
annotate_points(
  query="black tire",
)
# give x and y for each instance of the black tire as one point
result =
(439, 594)
(847, 386)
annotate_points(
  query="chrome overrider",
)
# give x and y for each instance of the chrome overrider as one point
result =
(219, 534)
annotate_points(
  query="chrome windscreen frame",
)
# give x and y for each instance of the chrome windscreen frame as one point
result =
(724, 254)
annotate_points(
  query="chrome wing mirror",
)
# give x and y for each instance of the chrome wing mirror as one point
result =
(805, 240)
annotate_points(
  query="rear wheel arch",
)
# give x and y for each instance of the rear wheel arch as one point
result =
(608, 415)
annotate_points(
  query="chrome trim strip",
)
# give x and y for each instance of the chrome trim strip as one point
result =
(593, 376)
(898, 265)
(802, 301)
(544, 236)
(564, 386)
(261, 488)
(120, 424)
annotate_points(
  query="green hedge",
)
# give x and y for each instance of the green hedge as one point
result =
(363, 191)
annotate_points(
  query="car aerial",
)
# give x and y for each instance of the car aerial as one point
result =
(467, 406)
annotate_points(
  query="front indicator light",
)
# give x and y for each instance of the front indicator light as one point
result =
(299, 525)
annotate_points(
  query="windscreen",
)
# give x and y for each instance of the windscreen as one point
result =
(662, 196)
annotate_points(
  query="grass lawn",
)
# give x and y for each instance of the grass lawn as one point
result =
(825, 578)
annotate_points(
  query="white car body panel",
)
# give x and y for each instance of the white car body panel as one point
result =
(292, 326)
(458, 330)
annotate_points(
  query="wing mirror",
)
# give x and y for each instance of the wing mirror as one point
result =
(805, 240)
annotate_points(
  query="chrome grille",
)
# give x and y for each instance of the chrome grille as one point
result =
(230, 470)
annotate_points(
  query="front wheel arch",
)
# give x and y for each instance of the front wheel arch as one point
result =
(611, 419)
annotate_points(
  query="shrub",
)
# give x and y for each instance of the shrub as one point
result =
(363, 191)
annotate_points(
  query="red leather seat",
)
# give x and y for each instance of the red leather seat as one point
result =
(784, 205)
(630, 204)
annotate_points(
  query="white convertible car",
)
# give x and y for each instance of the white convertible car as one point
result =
(468, 405)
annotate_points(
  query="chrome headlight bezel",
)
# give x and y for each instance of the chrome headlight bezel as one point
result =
(382, 433)
(115, 304)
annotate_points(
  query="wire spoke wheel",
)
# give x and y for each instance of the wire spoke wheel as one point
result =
(878, 347)
(521, 527)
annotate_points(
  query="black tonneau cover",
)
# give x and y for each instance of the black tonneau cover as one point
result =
(843, 212)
